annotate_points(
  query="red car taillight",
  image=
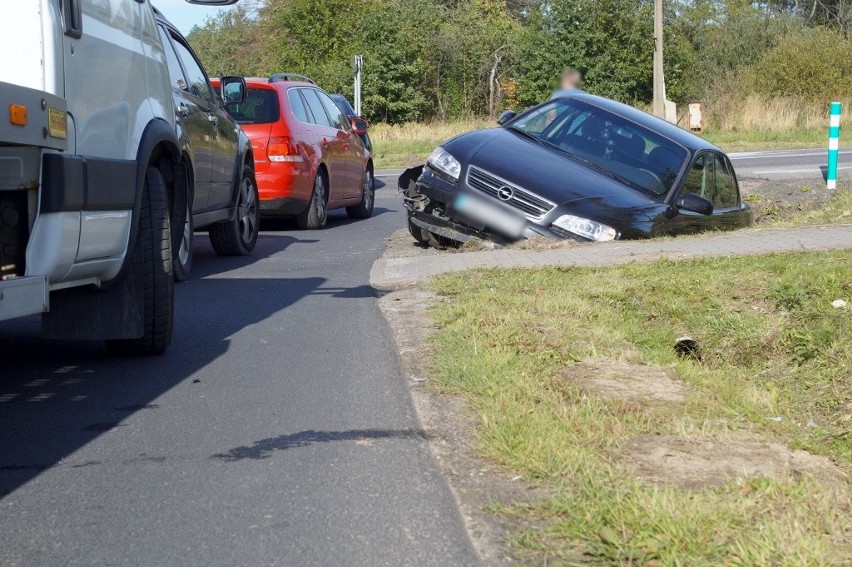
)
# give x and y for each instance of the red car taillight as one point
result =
(282, 148)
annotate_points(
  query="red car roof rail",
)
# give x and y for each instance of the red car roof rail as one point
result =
(277, 77)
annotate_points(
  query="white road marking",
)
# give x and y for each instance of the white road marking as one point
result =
(809, 170)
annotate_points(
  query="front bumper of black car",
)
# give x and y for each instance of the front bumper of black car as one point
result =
(442, 219)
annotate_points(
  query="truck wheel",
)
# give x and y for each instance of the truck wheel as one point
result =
(364, 209)
(183, 255)
(153, 250)
(314, 217)
(238, 237)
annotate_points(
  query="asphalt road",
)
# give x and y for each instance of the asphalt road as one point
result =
(789, 164)
(277, 430)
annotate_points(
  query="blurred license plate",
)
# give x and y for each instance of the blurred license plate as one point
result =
(496, 217)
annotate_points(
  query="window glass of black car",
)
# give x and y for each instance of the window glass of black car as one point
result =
(297, 106)
(316, 108)
(725, 194)
(344, 105)
(338, 120)
(699, 180)
(198, 84)
(260, 107)
(176, 77)
(639, 157)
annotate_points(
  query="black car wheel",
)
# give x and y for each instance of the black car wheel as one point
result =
(182, 259)
(364, 209)
(238, 237)
(153, 251)
(314, 217)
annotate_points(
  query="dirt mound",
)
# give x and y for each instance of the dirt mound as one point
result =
(624, 381)
(702, 462)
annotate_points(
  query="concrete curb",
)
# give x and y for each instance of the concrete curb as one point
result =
(397, 273)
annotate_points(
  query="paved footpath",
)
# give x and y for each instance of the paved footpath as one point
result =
(394, 273)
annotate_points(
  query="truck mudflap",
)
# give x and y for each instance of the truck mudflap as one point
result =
(23, 296)
(35, 118)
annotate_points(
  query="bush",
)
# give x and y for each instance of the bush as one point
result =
(816, 66)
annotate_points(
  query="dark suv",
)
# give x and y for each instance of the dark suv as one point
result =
(214, 149)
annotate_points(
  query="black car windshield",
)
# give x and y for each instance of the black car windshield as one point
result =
(260, 107)
(605, 141)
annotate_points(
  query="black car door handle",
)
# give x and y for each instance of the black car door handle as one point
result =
(212, 118)
(182, 110)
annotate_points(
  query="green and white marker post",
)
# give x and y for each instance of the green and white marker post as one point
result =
(833, 145)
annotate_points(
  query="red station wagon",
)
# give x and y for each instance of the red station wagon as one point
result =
(308, 156)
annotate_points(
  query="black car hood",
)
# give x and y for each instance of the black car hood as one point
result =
(541, 170)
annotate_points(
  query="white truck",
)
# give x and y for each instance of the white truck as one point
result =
(90, 163)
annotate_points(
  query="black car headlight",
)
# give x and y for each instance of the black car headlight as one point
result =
(442, 161)
(586, 228)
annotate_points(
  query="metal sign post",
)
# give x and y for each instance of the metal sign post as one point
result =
(833, 145)
(357, 67)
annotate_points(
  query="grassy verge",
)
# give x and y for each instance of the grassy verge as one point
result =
(777, 365)
(404, 145)
(760, 139)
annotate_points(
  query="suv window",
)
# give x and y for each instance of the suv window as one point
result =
(176, 76)
(198, 84)
(297, 106)
(338, 120)
(316, 107)
(260, 107)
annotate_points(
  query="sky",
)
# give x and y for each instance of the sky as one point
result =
(184, 15)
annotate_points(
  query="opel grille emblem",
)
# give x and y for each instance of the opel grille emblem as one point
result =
(505, 193)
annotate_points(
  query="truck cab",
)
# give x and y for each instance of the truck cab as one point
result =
(90, 171)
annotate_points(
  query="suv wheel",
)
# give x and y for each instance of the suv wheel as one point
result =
(238, 237)
(364, 209)
(314, 217)
(153, 250)
(183, 255)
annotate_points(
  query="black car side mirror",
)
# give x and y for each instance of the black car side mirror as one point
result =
(233, 90)
(506, 116)
(694, 203)
(360, 126)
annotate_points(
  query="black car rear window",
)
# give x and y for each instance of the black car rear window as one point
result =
(605, 141)
(260, 107)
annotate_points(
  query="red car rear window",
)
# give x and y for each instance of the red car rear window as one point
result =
(260, 107)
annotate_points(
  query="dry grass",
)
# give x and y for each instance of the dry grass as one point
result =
(782, 114)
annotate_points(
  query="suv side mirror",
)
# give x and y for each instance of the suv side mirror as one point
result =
(360, 126)
(694, 203)
(506, 116)
(233, 90)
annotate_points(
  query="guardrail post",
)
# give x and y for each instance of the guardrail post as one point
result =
(833, 145)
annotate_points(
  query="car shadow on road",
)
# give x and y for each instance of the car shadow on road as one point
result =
(57, 396)
(264, 448)
(206, 262)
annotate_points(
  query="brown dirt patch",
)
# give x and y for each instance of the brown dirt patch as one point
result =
(779, 200)
(625, 381)
(702, 462)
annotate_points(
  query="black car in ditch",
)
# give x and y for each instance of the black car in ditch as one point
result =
(577, 167)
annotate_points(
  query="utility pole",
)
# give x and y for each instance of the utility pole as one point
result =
(659, 107)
